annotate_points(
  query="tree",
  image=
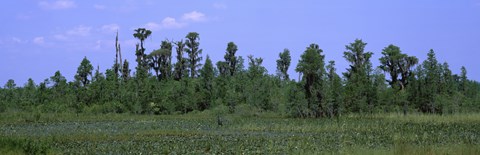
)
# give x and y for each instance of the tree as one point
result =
(155, 62)
(358, 92)
(333, 90)
(166, 60)
(58, 79)
(30, 85)
(10, 84)
(207, 76)
(230, 58)
(83, 71)
(432, 79)
(463, 80)
(125, 71)
(193, 52)
(161, 60)
(181, 64)
(117, 67)
(397, 64)
(427, 85)
(59, 86)
(29, 92)
(447, 82)
(255, 68)
(283, 63)
(222, 67)
(311, 65)
(98, 88)
(141, 34)
(258, 87)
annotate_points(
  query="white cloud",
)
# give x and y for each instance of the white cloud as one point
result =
(57, 5)
(194, 16)
(17, 40)
(80, 31)
(12, 41)
(39, 40)
(218, 5)
(99, 7)
(171, 23)
(110, 28)
(152, 26)
(167, 23)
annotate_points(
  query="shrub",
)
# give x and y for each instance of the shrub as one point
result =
(23, 146)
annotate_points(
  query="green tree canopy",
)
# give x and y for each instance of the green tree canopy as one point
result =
(397, 64)
(311, 65)
(84, 71)
(358, 86)
(283, 63)
(230, 57)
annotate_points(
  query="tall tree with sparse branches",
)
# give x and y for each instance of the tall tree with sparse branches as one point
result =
(142, 65)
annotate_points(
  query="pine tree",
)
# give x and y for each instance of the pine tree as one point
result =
(359, 97)
(194, 52)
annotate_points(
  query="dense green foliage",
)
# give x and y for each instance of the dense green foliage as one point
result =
(160, 86)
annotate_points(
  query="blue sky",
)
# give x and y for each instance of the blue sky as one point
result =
(39, 37)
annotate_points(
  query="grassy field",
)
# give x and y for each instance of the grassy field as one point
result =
(198, 133)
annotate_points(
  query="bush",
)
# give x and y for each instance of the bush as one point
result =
(247, 110)
(108, 107)
(220, 110)
(23, 146)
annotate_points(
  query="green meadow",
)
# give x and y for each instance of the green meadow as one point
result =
(200, 133)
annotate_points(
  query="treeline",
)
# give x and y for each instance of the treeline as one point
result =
(400, 84)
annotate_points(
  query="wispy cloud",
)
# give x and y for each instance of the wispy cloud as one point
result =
(194, 16)
(57, 5)
(219, 5)
(80, 31)
(13, 41)
(99, 7)
(39, 40)
(17, 40)
(152, 26)
(171, 23)
(166, 23)
(109, 28)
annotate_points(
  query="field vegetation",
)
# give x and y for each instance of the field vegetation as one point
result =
(199, 133)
